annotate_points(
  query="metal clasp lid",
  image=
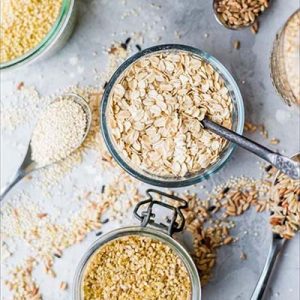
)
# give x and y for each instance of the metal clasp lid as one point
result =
(148, 217)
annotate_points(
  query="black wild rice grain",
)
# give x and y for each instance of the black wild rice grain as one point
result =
(104, 221)
(128, 40)
(138, 47)
(124, 46)
(99, 233)
(268, 168)
(226, 190)
(211, 208)
(103, 189)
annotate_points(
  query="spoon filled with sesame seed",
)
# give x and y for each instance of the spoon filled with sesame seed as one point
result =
(60, 130)
(285, 164)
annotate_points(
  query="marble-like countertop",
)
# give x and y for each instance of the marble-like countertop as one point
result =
(99, 23)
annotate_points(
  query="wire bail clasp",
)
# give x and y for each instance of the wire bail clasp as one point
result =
(147, 217)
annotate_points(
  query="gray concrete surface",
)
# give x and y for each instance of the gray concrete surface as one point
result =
(194, 21)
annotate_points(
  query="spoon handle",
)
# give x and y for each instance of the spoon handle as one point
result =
(282, 163)
(18, 176)
(275, 249)
(26, 167)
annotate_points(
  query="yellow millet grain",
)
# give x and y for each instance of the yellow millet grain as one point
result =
(24, 24)
(136, 268)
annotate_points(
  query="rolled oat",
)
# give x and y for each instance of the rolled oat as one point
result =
(156, 111)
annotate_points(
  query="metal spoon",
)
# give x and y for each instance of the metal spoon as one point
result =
(286, 165)
(221, 21)
(29, 165)
(275, 249)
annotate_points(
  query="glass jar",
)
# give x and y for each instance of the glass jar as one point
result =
(191, 178)
(53, 41)
(152, 229)
(285, 60)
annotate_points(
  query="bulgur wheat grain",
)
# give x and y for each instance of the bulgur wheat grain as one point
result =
(136, 267)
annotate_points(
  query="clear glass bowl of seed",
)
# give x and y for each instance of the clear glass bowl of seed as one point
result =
(139, 262)
(152, 109)
(30, 30)
(285, 60)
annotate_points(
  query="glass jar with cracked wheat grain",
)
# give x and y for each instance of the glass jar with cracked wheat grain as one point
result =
(152, 110)
(32, 29)
(140, 262)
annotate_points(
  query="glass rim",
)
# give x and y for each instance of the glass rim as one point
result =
(277, 50)
(57, 28)
(160, 235)
(176, 182)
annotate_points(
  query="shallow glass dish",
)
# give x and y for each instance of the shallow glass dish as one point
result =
(193, 178)
(53, 41)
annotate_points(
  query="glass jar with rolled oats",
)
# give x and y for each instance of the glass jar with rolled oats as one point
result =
(152, 109)
(141, 262)
(285, 60)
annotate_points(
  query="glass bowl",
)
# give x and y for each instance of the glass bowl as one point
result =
(143, 175)
(53, 41)
(282, 62)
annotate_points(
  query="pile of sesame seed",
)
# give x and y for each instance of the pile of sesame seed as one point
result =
(136, 267)
(59, 131)
(24, 24)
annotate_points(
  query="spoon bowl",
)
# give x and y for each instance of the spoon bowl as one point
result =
(29, 165)
(221, 21)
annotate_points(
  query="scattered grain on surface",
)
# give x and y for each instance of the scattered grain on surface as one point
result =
(285, 207)
(236, 44)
